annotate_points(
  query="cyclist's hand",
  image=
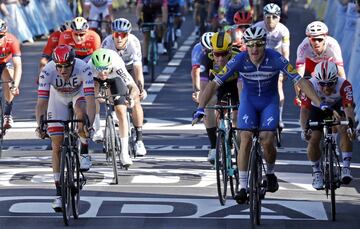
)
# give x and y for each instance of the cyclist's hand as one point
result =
(297, 101)
(41, 133)
(89, 132)
(143, 94)
(324, 106)
(14, 89)
(198, 115)
(195, 96)
(306, 135)
(129, 102)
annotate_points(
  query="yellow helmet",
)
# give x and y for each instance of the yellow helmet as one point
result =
(221, 42)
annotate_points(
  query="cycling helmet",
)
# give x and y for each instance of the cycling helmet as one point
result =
(316, 28)
(101, 59)
(236, 37)
(326, 71)
(254, 33)
(63, 54)
(3, 26)
(242, 17)
(206, 40)
(79, 24)
(65, 26)
(121, 25)
(221, 42)
(272, 8)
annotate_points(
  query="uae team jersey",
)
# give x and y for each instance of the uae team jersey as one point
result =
(9, 48)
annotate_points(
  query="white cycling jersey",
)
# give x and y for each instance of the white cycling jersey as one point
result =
(98, 3)
(97, 7)
(332, 52)
(132, 52)
(278, 38)
(119, 69)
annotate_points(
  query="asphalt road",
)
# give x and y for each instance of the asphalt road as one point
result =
(173, 186)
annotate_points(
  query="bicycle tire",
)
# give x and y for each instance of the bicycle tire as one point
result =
(234, 180)
(151, 59)
(278, 136)
(332, 182)
(221, 170)
(112, 150)
(75, 198)
(169, 42)
(2, 131)
(65, 185)
(254, 191)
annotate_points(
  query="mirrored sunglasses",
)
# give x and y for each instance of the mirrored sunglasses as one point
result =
(221, 54)
(314, 39)
(105, 70)
(271, 16)
(258, 44)
(2, 35)
(79, 34)
(120, 34)
(326, 83)
(61, 66)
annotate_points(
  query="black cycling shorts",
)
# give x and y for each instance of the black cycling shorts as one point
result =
(117, 87)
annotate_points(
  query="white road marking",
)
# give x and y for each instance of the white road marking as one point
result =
(179, 54)
(162, 78)
(151, 179)
(185, 48)
(169, 70)
(175, 62)
(155, 87)
(146, 209)
(149, 99)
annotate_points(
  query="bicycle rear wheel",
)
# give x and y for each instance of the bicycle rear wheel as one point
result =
(278, 136)
(234, 179)
(75, 193)
(221, 171)
(65, 182)
(112, 148)
(332, 182)
(254, 188)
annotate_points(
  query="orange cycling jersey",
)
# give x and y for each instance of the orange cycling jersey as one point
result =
(9, 48)
(51, 44)
(87, 47)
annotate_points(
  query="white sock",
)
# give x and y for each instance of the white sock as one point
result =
(243, 177)
(124, 145)
(56, 176)
(315, 166)
(83, 140)
(96, 124)
(280, 113)
(346, 156)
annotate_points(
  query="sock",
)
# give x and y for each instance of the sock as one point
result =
(315, 166)
(96, 124)
(243, 177)
(84, 146)
(8, 108)
(280, 113)
(124, 145)
(138, 131)
(270, 168)
(211, 132)
(83, 140)
(346, 156)
(57, 183)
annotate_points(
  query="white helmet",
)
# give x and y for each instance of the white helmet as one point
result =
(121, 25)
(65, 26)
(254, 33)
(326, 71)
(206, 40)
(316, 28)
(79, 24)
(272, 8)
(3, 26)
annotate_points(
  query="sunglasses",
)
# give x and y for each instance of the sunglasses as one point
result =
(79, 34)
(273, 16)
(317, 39)
(256, 43)
(122, 35)
(221, 54)
(326, 84)
(105, 70)
(61, 66)
(2, 35)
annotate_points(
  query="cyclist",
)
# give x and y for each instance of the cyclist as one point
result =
(94, 8)
(109, 67)
(83, 40)
(278, 38)
(243, 19)
(65, 79)
(10, 69)
(337, 93)
(128, 48)
(150, 11)
(177, 7)
(259, 108)
(202, 9)
(51, 44)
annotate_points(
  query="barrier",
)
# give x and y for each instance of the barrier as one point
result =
(329, 17)
(340, 21)
(37, 18)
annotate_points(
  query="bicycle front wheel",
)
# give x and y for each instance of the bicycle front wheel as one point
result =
(75, 193)
(65, 182)
(112, 148)
(221, 170)
(234, 179)
(152, 58)
(332, 182)
(254, 188)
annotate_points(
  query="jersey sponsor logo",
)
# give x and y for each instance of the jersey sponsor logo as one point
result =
(72, 82)
(245, 118)
(87, 68)
(348, 93)
(270, 120)
(290, 69)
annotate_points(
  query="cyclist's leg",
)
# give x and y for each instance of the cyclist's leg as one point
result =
(7, 74)
(281, 97)
(98, 135)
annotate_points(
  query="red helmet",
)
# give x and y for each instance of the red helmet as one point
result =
(242, 17)
(63, 54)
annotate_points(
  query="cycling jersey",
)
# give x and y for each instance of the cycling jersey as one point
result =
(342, 93)
(91, 43)
(98, 3)
(259, 107)
(278, 38)
(51, 44)
(9, 48)
(196, 55)
(306, 55)
(176, 2)
(131, 54)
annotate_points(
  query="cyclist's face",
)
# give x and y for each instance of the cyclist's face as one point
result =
(256, 50)
(221, 58)
(327, 88)
(317, 43)
(64, 70)
(79, 37)
(271, 20)
(120, 39)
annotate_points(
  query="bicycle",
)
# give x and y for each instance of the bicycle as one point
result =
(170, 37)
(72, 179)
(330, 160)
(2, 129)
(152, 51)
(256, 184)
(102, 26)
(278, 136)
(226, 153)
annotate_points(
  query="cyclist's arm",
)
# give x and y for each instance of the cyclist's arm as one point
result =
(133, 90)
(40, 109)
(43, 95)
(195, 76)
(138, 74)
(208, 93)
(309, 91)
(341, 71)
(346, 93)
(88, 87)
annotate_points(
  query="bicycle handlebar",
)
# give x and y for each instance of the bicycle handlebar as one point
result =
(330, 123)
(220, 107)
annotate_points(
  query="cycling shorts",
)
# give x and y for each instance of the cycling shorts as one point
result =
(58, 109)
(8, 65)
(116, 87)
(228, 88)
(150, 13)
(258, 112)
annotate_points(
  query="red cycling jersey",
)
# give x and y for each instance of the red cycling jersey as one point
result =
(51, 44)
(9, 48)
(91, 42)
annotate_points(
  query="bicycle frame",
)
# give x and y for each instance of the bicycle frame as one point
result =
(152, 47)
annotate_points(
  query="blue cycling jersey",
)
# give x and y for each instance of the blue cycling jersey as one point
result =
(262, 80)
(196, 55)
